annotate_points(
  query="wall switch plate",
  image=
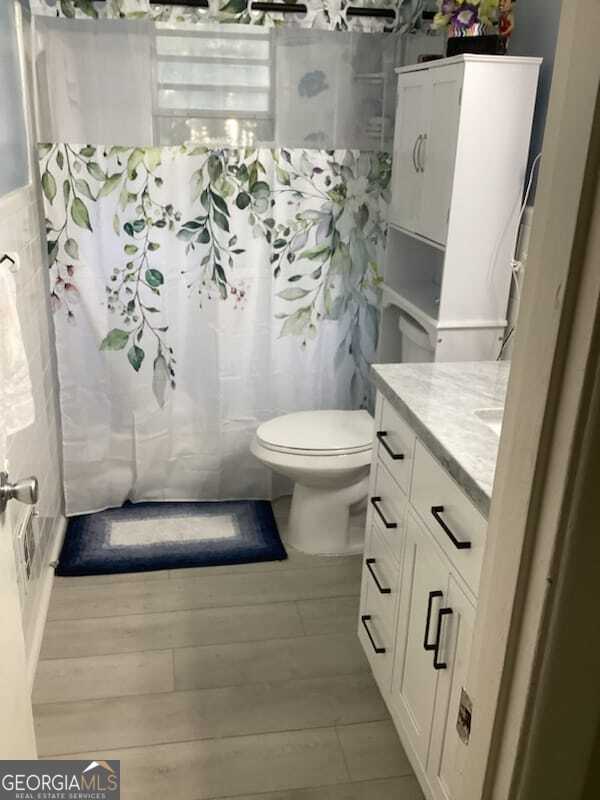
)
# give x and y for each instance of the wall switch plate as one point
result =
(463, 721)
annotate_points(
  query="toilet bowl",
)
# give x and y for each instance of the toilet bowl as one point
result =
(327, 454)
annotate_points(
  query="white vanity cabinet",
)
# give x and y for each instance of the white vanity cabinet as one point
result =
(423, 554)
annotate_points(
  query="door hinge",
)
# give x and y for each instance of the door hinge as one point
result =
(460, 96)
(463, 721)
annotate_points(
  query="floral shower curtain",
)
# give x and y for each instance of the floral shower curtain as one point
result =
(199, 291)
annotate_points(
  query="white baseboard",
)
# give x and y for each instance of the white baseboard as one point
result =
(44, 602)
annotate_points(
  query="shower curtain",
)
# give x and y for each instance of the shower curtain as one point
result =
(208, 272)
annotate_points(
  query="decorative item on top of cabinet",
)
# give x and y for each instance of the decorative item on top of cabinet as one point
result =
(483, 26)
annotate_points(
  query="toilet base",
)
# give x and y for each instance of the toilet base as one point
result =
(321, 519)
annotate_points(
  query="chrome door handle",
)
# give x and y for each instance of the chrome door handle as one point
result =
(25, 491)
(414, 152)
(419, 153)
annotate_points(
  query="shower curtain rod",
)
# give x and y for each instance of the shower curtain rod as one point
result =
(360, 11)
(191, 3)
(284, 8)
(295, 8)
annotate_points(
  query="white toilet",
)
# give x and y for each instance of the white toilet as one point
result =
(327, 454)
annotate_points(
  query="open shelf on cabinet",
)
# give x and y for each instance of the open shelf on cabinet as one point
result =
(394, 298)
(412, 235)
(413, 275)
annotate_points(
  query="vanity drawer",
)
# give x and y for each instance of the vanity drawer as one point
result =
(395, 445)
(388, 507)
(453, 520)
(378, 644)
(381, 577)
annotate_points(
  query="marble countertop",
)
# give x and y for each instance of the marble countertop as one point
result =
(439, 402)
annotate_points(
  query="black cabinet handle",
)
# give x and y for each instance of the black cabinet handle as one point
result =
(396, 456)
(364, 619)
(436, 511)
(374, 503)
(437, 664)
(382, 589)
(426, 644)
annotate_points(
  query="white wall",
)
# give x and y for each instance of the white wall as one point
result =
(35, 450)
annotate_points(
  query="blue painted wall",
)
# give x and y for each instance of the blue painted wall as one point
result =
(536, 30)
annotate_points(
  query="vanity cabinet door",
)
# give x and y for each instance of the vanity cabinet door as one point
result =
(421, 622)
(437, 152)
(448, 752)
(411, 125)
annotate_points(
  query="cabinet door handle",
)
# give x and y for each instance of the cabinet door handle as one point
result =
(432, 596)
(364, 619)
(414, 152)
(382, 589)
(437, 664)
(436, 511)
(420, 162)
(374, 503)
(396, 456)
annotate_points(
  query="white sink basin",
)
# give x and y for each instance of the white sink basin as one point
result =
(492, 417)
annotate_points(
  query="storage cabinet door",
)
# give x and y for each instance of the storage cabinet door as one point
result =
(411, 124)
(448, 752)
(436, 153)
(422, 598)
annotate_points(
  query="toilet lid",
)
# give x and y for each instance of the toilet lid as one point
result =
(318, 432)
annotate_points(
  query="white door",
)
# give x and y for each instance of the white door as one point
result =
(448, 753)
(422, 598)
(16, 722)
(436, 154)
(411, 126)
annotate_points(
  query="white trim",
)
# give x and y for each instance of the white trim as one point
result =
(537, 447)
(44, 603)
(465, 57)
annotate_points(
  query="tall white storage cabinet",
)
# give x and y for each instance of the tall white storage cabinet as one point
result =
(463, 126)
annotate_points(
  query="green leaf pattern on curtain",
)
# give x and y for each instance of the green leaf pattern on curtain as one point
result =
(321, 215)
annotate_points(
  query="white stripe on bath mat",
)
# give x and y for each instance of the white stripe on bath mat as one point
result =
(157, 530)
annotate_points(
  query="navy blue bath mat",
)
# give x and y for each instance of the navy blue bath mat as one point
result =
(141, 537)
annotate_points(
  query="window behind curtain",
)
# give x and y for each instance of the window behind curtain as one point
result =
(14, 161)
(214, 86)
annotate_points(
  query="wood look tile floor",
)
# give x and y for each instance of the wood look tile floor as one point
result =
(242, 682)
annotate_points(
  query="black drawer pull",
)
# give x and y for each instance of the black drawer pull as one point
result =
(396, 456)
(382, 589)
(436, 511)
(426, 644)
(374, 503)
(437, 664)
(364, 619)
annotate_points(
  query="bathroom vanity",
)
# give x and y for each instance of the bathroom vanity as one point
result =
(436, 440)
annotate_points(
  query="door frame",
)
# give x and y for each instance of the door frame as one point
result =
(534, 662)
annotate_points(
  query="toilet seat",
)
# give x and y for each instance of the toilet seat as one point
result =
(318, 433)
